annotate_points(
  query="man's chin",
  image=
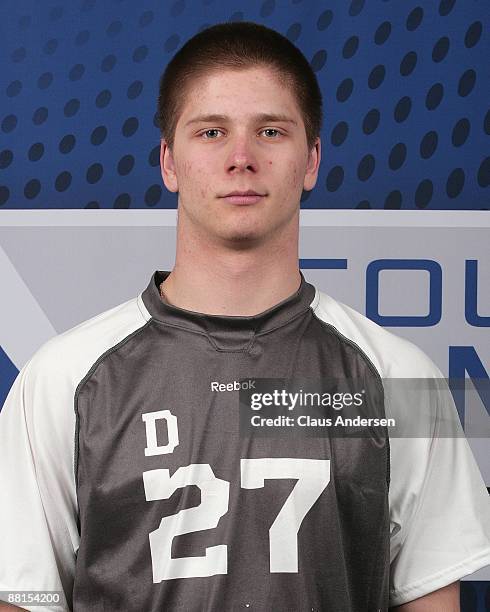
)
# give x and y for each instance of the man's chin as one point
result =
(241, 237)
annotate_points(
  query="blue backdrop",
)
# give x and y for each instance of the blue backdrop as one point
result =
(405, 85)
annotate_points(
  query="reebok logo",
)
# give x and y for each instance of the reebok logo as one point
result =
(232, 386)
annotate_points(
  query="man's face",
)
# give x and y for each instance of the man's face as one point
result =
(239, 151)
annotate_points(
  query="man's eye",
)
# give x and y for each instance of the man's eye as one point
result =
(272, 130)
(208, 131)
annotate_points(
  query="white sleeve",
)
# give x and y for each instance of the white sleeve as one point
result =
(439, 506)
(38, 510)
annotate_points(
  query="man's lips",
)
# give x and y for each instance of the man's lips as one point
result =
(243, 197)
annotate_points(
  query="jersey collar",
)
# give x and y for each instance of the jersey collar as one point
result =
(223, 326)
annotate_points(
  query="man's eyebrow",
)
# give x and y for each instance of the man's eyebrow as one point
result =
(260, 118)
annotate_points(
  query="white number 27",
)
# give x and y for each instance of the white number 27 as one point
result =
(313, 476)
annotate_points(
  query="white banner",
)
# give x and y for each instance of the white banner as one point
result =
(424, 275)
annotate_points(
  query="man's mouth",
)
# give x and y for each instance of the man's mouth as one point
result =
(243, 197)
(248, 199)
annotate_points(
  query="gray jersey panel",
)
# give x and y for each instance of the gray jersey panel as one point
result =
(141, 511)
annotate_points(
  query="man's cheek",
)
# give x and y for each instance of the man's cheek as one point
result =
(293, 176)
(186, 170)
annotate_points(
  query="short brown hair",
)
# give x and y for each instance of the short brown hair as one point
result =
(238, 45)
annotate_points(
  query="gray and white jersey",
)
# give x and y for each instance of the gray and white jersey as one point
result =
(128, 484)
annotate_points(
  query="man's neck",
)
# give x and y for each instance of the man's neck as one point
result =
(246, 282)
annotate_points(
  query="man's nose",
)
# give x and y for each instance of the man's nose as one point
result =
(242, 153)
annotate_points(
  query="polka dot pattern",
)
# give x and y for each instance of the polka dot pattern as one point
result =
(67, 144)
(36, 151)
(98, 135)
(414, 18)
(405, 86)
(382, 33)
(366, 167)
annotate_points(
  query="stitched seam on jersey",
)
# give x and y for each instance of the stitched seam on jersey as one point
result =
(94, 366)
(378, 377)
(315, 300)
(415, 585)
(373, 368)
(263, 333)
(427, 475)
(32, 456)
(142, 308)
(246, 349)
(200, 333)
(249, 345)
(292, 318)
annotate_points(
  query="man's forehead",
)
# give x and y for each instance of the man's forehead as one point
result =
(205, 103)
(221, 73)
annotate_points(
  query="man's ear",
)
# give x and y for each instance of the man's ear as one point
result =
(167, 167)
(313, 165)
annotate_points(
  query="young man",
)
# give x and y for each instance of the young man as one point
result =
(126, 479)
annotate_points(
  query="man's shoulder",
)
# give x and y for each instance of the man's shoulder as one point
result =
(392, 355)
(70, 354)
